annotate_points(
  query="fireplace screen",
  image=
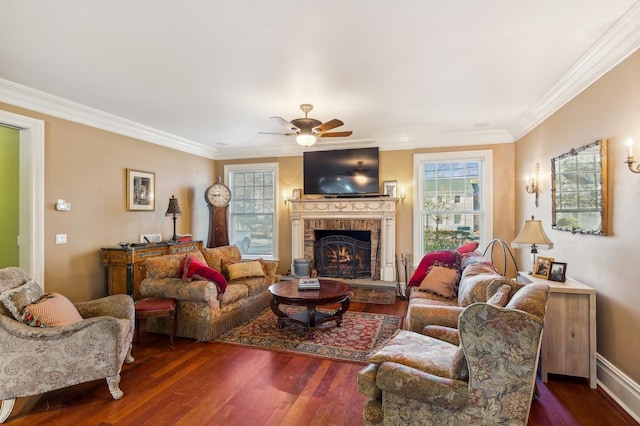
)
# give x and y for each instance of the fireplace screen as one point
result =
(344, 256)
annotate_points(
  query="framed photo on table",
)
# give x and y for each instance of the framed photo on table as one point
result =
(542, 267)
(558, 271)
(141, 190)
(296, 194)
(390, 188)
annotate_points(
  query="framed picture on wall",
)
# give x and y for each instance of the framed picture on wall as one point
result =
(141, 190)
(558, 271)
(390, 188)
(542, 267)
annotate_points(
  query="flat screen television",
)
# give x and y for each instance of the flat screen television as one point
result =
(341, 172)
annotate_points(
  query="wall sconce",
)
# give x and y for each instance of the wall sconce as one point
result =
(403, 195)
(286, 198)
(532, 183)
(630, 160)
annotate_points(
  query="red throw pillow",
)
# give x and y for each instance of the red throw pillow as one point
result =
(446, 257)
(194, 269)
(467, 247)
(205, 273)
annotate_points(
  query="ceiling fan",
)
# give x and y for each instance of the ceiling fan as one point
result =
(306, 129)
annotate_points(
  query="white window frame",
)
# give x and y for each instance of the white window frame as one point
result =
(486, 156)
(252, 167)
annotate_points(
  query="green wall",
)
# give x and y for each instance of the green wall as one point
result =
(9, 196)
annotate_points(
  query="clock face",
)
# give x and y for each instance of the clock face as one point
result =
(218, 195)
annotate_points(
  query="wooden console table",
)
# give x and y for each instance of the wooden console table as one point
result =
(124, 268)
(569, 335)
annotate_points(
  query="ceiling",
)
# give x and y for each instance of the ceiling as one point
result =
(204, 76)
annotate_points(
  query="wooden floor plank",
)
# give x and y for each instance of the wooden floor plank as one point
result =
(216, 383)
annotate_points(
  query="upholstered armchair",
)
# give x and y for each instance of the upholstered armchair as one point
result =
(487, 379)
(38, 359)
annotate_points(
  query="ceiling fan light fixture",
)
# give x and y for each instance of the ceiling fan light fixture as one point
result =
(305, 139)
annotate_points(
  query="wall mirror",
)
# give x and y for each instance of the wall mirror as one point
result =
(579, 190)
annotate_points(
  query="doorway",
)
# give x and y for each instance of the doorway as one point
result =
(31, 191)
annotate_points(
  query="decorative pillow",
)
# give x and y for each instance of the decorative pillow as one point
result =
(224, 266)
(441, 280)
(467, 247)
(17, 298)
(189, 267)
(245, 270)
(52, 310)
(445, 257)
(199, 271)
(501, 297)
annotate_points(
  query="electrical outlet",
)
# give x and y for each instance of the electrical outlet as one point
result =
(61, 238)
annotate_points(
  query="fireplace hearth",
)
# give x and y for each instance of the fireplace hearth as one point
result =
(343, 254)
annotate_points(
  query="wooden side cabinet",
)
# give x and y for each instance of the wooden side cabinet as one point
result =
(124, 268)
(569, 335)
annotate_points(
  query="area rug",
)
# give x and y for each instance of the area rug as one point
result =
(361, 333)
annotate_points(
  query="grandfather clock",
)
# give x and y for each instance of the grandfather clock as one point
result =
(218, 197)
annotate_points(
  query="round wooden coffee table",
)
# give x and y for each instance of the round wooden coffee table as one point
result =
(331, 291)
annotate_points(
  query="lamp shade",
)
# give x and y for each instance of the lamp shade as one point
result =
(532, 234)
(306, 139)
(174, 207)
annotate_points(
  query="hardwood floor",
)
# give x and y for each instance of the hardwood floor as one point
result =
(218, 384)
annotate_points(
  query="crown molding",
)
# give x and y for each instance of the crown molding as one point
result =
(620, 41)
(35, 100)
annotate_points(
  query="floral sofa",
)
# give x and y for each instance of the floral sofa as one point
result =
(488, 378)
(460, 278)
(232, 292)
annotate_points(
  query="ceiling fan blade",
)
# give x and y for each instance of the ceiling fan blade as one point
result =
(335, 134)
(282, 122)
(331, 124)
(272, 133)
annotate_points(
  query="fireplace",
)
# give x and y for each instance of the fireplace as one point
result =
(343, 254)
(375, 216)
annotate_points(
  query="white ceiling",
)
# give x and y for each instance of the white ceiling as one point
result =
(204, 76)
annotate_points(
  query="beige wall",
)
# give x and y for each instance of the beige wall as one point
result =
(86, 167)
(610, 109)
(398, 165)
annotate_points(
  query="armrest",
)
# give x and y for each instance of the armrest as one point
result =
(14, 331)
(176, 288)
(448, 334)
(421, 316)
(415, 384)
(117, 305)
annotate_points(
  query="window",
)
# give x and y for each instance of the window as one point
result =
(453, 193)
(252, 212)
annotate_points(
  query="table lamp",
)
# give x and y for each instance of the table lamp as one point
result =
(174, 209)
(532, 235)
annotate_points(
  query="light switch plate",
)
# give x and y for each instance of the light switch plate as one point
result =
(61, 238)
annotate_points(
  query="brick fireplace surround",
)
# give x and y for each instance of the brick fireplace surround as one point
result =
(375, 214)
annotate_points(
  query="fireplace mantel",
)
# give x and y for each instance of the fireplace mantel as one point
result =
(382, 209)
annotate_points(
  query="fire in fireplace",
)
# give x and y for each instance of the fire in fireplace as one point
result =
(343, 254)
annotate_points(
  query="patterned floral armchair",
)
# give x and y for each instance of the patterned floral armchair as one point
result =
(488, 379)
(37, 359)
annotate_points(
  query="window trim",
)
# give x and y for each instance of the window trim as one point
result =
(276, 190)
(484, 155)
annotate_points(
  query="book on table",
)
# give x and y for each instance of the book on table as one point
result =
(308, 284)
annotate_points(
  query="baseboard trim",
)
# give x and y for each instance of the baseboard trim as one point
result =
(620, 387)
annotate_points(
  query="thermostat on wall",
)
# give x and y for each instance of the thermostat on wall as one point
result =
(63, 205)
